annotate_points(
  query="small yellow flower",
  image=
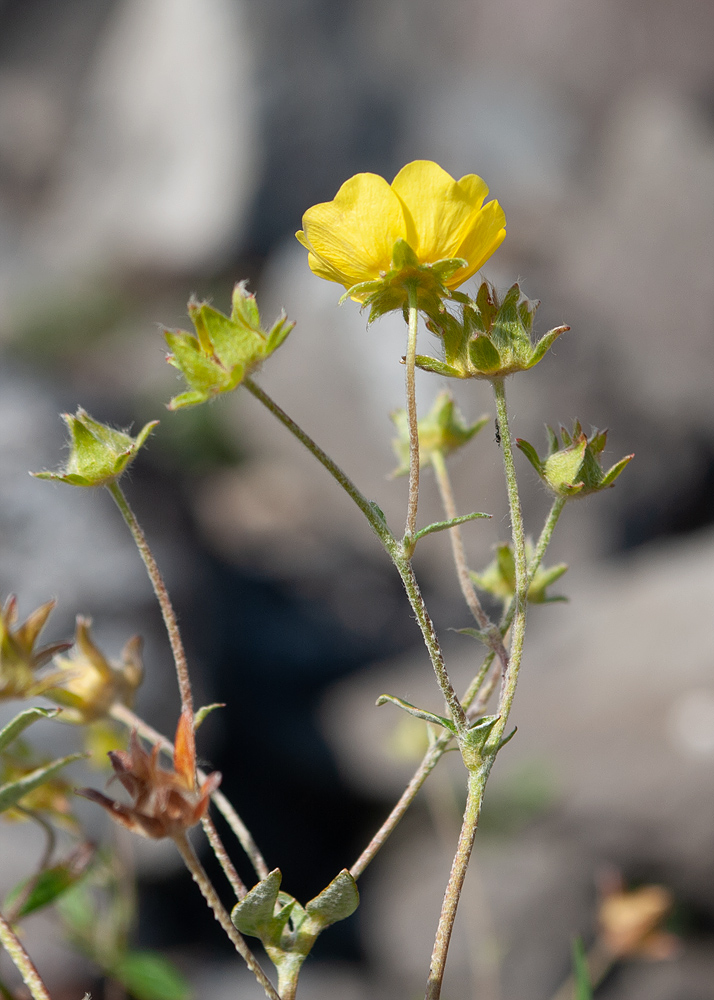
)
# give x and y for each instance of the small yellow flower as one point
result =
(351, 239)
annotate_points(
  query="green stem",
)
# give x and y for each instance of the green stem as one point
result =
(132, 721)
(459, 555)
(404, 568)
(218, 848)
(203, 882)
(429, 762)
(472, 704)
(477, 781)
(410, 384)
(510, 678)
(373, 514)
(394, 549)
(22, 961)
(162, 596)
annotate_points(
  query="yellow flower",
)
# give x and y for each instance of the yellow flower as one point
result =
(351, 239)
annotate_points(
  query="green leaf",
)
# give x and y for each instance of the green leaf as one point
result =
(419, 713)
(204, 711)
(444, 525)
(13, 791)
(149, 976)
(254, 914)
(13, 729)
(337, 902)
(581, 973)
(53, 882)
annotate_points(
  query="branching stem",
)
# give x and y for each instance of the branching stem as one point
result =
(203, 882)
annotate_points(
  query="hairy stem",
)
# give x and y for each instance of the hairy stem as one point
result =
(394, 549)
(404, 567)
(459, 555)
(218, 848)
(473, 702)
(510, 677)
(477, 781)
(22, 961)
(374, 516)
(162, 596)
(132, 721)
(203, 882)
(410, 385)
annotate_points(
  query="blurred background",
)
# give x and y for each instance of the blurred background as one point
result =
(150, 149)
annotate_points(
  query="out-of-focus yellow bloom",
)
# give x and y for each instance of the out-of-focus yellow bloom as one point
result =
(87, 684)
(351, 239)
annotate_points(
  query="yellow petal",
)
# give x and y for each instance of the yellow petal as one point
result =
(351, 238)
(439, 207)
(487, 232)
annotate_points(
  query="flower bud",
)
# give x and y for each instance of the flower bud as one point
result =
(573, 469)
(499, 577)
(98, 454)
(442, 430)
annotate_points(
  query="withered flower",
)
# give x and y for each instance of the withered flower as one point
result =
(19, 659)
(88, 684)
(166, 803)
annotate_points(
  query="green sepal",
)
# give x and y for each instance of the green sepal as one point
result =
(545, 343)
(13, 729)
(98, 454)
(609, 478)
(51, 883)
(484, 355)
(13, 791)
(418, 713)
(492, 338)
(428, 364)
(531, 454)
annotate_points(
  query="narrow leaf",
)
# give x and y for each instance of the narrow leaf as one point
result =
(13, 729)
(443, 525)
(204, 711)
(13, 791)
(419, 713)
